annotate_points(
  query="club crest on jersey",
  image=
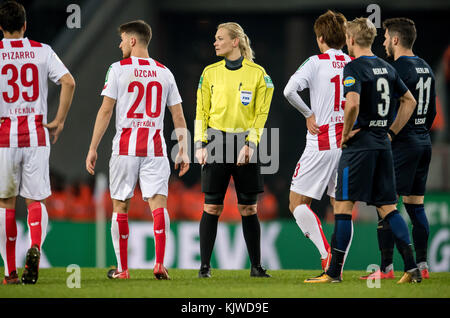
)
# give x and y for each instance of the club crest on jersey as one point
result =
(246, 97)
(349, 81)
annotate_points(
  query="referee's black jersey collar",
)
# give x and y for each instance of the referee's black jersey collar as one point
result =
(234, 65)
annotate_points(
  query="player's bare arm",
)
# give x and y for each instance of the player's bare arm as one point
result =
(101, 124)
(405, 110)
(179, 122)
(56, 126)
(350, 114)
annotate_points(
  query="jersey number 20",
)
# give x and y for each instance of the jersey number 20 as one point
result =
(148, 99)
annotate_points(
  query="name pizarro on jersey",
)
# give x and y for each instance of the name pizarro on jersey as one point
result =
(18, 55)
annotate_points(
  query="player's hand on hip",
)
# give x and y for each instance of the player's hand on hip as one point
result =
(201, 154)
(91, 159)
(244, 155)
(182, 161)
(345, 138)
(312, 126)
(54, 129)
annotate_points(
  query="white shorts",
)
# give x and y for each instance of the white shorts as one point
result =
(315, 171)
(25, 172)
(152, 172)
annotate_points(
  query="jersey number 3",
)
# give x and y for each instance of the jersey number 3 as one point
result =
(148, 99)
(383, 88)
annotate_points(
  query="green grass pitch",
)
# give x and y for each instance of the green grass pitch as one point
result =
(52, 283)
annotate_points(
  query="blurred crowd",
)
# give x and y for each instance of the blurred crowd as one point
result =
(76, 202)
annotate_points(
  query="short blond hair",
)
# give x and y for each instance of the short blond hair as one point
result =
(363, 31)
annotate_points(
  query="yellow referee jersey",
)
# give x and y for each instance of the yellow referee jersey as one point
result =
(233, 100)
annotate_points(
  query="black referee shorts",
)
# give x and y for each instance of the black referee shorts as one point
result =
(411, 169)
(216, 174)
(248, 181)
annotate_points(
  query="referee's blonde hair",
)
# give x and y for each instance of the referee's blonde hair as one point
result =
(236, 31)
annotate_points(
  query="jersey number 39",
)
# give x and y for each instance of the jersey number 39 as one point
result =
(14, 72)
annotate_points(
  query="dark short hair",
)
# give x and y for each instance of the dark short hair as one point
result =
(139, 28)
(331, 26)
(404, 28)
(12, 16)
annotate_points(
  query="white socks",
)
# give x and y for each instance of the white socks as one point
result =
(311, 227)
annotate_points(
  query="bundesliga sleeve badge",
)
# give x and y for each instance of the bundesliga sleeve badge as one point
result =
(268, 80)
(349, 81)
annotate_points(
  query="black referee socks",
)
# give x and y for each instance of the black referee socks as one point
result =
(208, 232)
(252, 235)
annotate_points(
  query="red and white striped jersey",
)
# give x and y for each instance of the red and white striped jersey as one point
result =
(322, 74)
(142, 87)
(25, 68)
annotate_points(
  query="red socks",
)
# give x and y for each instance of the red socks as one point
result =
(120, 232)
(8, 236)
(161, 224)
(37, 223)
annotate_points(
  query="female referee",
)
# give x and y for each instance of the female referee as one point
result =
(233, 101)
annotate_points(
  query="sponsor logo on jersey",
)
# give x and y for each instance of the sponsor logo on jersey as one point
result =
(124, 237)
(34, 223)
(268, 80)
(349, 81)
(200, 82)
(246, 97)
(159, 231)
